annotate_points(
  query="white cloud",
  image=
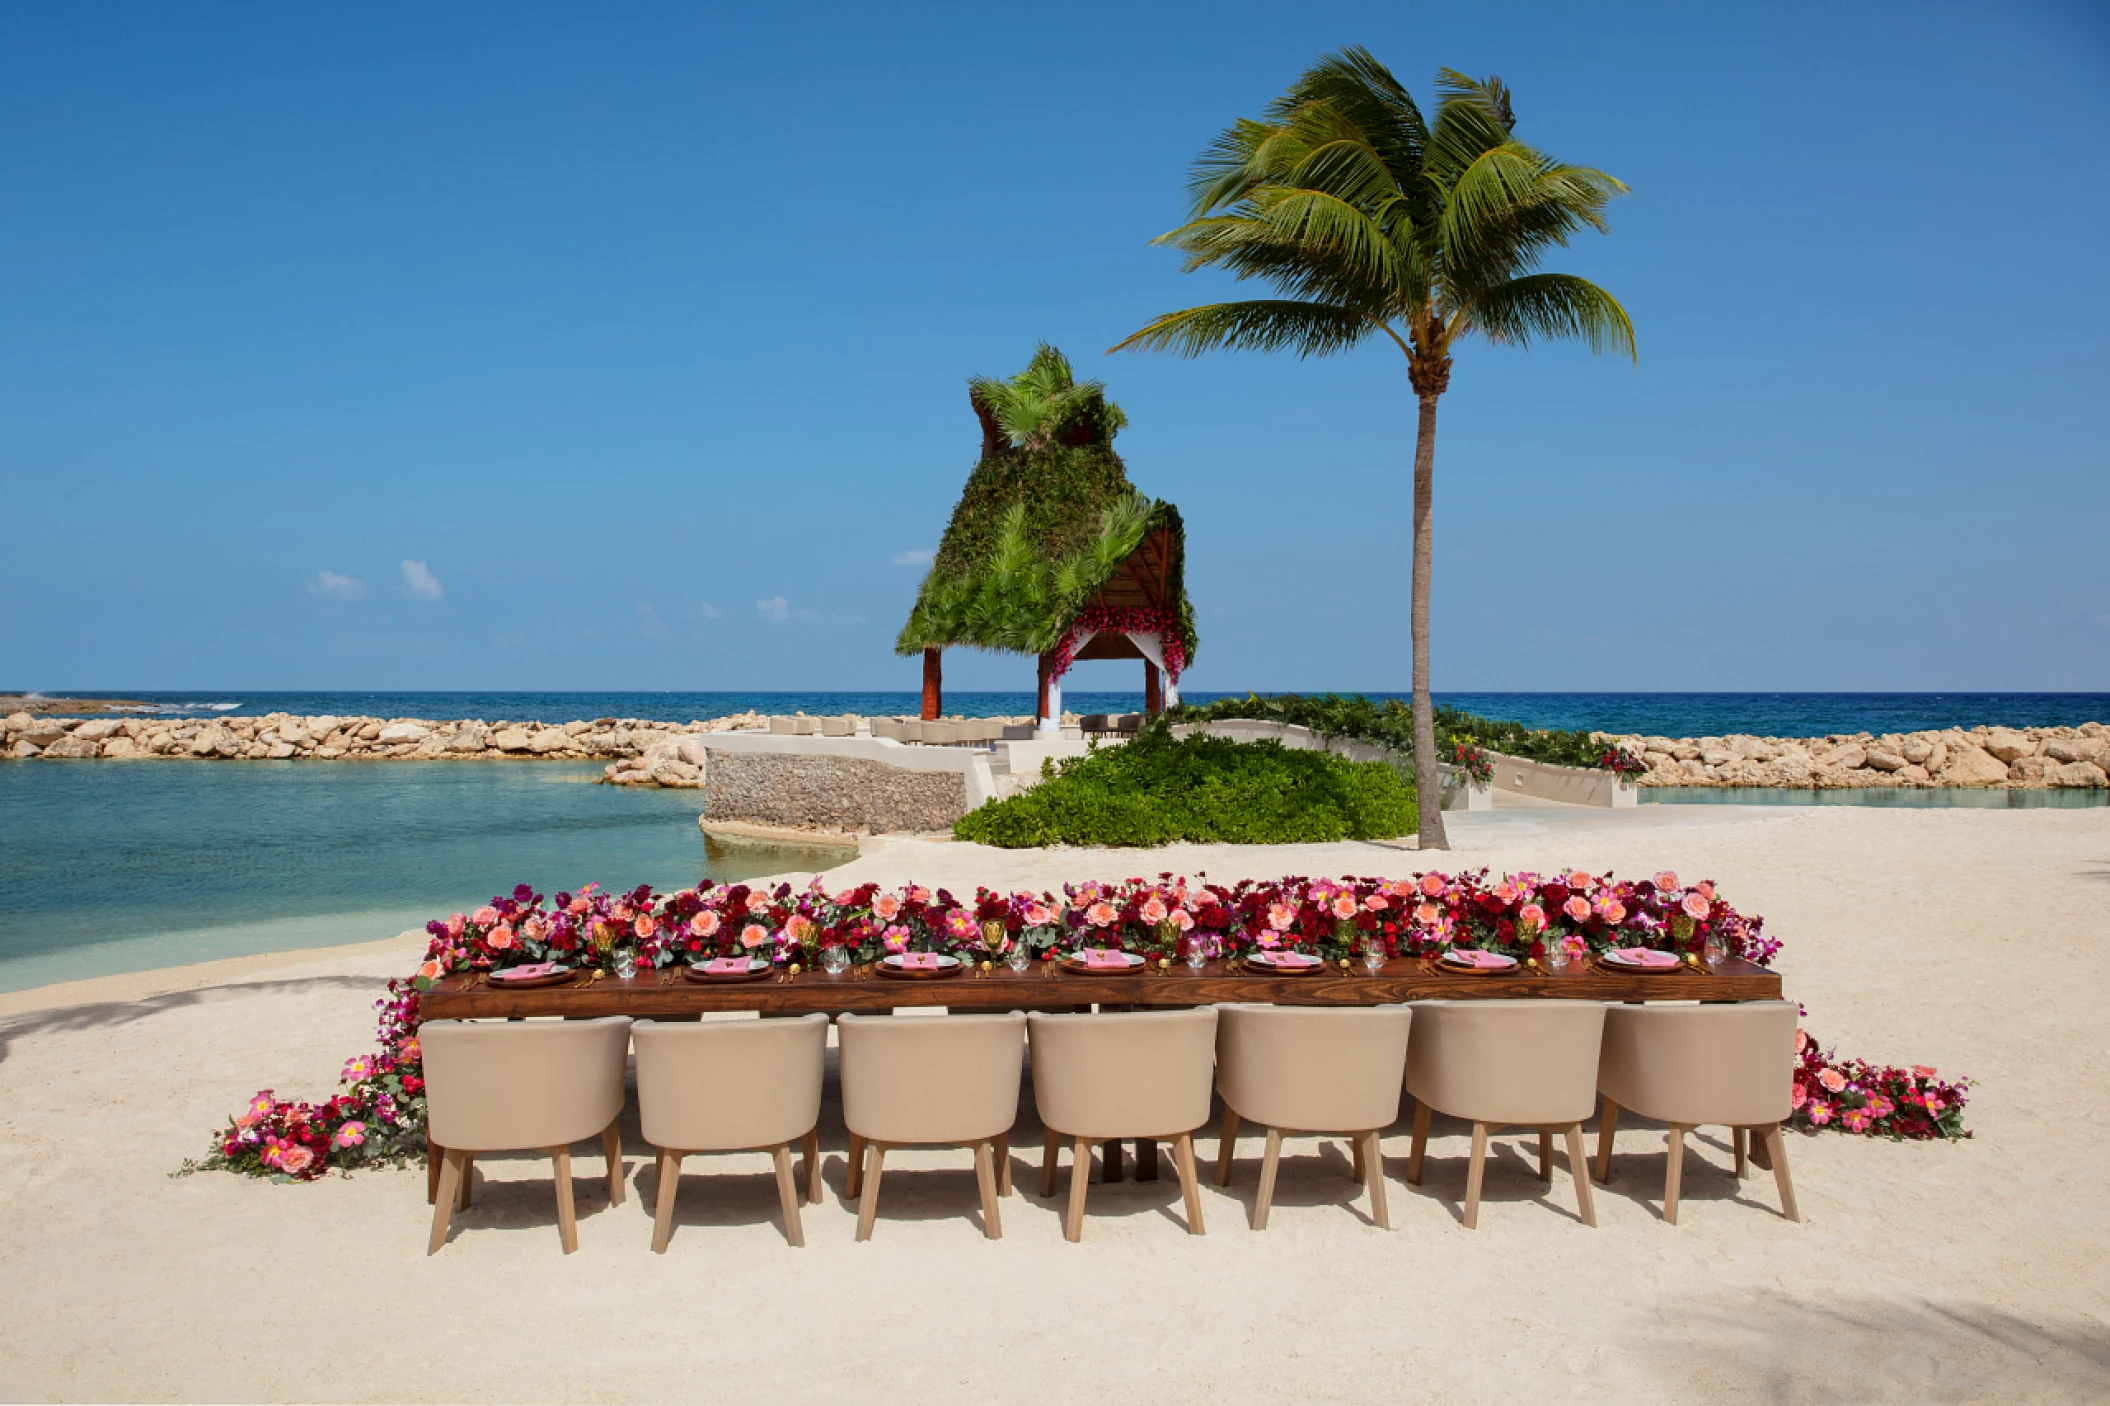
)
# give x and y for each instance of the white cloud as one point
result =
(329, 583)
(921, 556)
(776, 609)
(419, 582)
(711, 612)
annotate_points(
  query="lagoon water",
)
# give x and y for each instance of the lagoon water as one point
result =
(123, 866)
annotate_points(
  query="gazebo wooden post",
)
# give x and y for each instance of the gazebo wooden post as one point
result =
(1040, 706)
(1153, 690)
(933, 683)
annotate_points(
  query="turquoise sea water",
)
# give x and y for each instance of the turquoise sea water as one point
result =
(123, 866)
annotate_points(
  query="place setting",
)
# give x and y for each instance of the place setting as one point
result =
(919, 966)
(728, 969)
(531, 976)
(1101, 961)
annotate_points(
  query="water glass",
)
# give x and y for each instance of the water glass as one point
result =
(625, 962)
(1020, 956)
(835, 960)
(1556, 956)
(1197, 955)
(1717, 949)
(1373, 958)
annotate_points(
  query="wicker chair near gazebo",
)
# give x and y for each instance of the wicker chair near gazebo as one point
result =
(1051, 551)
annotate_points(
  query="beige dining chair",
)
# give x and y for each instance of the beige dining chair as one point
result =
(946, 1081)
(1500, 1064)
(505, 1086)
(732, 1086)
(1297, 1069)
(1097, 1078)
(1730, 1064)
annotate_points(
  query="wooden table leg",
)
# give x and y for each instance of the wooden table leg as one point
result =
(1111, 1151)
(1146, 1159)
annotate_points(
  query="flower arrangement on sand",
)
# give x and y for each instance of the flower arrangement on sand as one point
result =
(379, 1118)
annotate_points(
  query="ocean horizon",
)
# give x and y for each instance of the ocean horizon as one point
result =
(1773, 714)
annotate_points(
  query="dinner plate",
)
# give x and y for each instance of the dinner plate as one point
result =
(757, 968)
(548, 977)
(1265, 962)
(1507, 964)
(1075, 963)
(1628, 964)
(890, 965)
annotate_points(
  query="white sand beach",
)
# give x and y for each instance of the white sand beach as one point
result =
(1975, 1271)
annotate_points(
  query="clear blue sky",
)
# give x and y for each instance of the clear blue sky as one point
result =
(643, 332)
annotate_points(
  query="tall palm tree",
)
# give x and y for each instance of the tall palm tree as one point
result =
(1372, 222)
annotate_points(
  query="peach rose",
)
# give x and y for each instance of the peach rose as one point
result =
(1153, 910)
(535, 928)
(1706, 890)
(1377, 903)
(1666, 881)
(645, 926)
(295, 1159)
(1037, 915)
(918, 894)
(1577, 908)
(1832, 1079)
(1506, 891)
(1344, 906)
(1280, 916)
(704, 924)
(799, 928)
(1182, 920)
(1580, 880)
(1427, 914)
(455, 925)
(753, 936)
(1531, 916)
(886, 907)
(1432, 885)
(1101, 914)
(1614, 912)
(486, 915)
(499, 938)
(1696, 907)
(431, 971)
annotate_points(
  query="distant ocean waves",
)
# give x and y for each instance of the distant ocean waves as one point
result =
(1665, 714)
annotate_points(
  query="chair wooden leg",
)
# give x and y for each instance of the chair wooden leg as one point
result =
(868, 1201)
(1268, 1161)
(985, 1179)
(788, 1193)
(1546, 1155)
(1777, 1150)
(1737, 1139)
(810, 1146)
(462, 1188)
(1373, 1160)
(612, 1149)
(1675, 1176)
(1003, 1164)
(1080, 1178)
(1050, 1153)
(1190, 1180)
(567, 1212)
(1420, 1149)
(1579, 1170)
(434, 1155)
(1473, 1171)
(668, 1183)
(856, 1179)
(1606, 1127)
(1226, 1144)
(443, 1199)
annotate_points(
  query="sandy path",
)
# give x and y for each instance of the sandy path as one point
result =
(1942, 1273)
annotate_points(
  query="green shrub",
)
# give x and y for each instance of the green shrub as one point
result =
(1156, 790)
(1391, 724)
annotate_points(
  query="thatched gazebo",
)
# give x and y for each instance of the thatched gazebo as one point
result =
(1051, 551)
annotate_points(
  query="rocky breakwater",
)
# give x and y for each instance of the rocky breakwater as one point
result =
(638, 752)
(2020, 758)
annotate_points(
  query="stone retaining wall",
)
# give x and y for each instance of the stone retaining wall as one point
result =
(814, 791)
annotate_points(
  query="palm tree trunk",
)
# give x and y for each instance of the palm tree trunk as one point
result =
(1428, 781)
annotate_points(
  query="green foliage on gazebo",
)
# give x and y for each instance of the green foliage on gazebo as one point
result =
(1048, 528)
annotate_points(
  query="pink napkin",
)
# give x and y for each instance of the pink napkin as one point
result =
(1644, 957)
(920, 961)
(727, 966)
(523, 973)
(1474, 957)
(1292, 960)
(1106, 958)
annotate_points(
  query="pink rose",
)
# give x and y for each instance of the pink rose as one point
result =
(1432, 885)
(1506, 891)
(1344, 906)
(1919, 1071)
(1280, 916)
(1153, 910)
(1532, 916)
(800, 928)
(1182, 920)
(1377, 903)
(486, 915)
(1801, 1095)
(1580, 880)
(534, 929)
(1614, 912)
(1427, 914)
(1038, 916)
(1832, 1079)
(1101, 914)
(645, 926)
(1802, 1042)
(704, 924)
(1577, 908)
(499, 938)
(1696, 906)
(455, 925)
(295, 1159)
(1706, 890)
(1666, 881)
(753, 936)
(886, 907)
(918, 894)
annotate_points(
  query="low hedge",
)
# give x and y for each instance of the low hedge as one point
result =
(1157, 790)
(1391, 724)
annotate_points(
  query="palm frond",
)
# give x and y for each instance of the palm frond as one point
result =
(1553, 307)
(1309, 329)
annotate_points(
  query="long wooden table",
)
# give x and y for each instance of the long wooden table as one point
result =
(667, 994)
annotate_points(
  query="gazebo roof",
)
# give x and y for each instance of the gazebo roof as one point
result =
(1048, 529)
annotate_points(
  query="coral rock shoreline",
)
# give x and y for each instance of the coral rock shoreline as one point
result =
(2026, 758)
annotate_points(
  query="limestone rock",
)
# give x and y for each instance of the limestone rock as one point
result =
(1917, 775)
(550, 739)
(1718, 756)
(1916, 750)
(1885, 761)
(396, 733)
(96, 729)
(282, 749)
(1845, 758)
(577, 729)
(2010, 746)
(512, 739)
(1970, 765)
(24, 748)
(71, 746)
(2072, 749)
(2078, 774)
(44, 731)
(2029, 771)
